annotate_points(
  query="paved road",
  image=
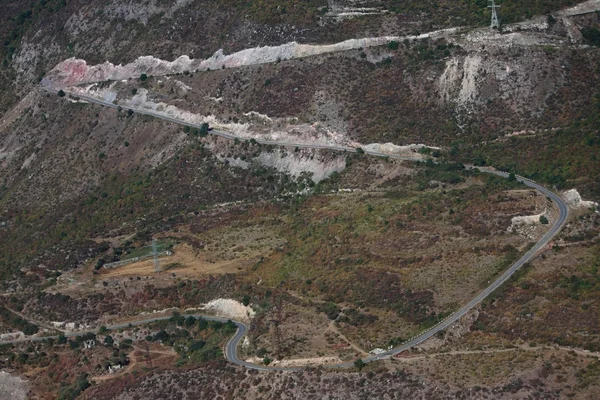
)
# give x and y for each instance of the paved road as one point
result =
(233, 343)
(227, 135)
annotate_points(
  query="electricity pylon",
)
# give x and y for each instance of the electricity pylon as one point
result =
(155, 254)
(495, 21)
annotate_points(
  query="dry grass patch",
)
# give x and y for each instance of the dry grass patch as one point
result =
(225, 250)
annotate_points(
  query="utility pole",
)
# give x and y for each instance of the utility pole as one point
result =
(495, 21)
(148, 358)
(275, 324)
(155, 254)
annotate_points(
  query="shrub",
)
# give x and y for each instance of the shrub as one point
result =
(393, 45)
(246, 300)
(197, 345)
(177, 318)
(202, 324)
(591, 35)
(543, 220)
(61, 93)
(359, 364)
(75, 389)
(143, 77)
(99, 264)
(479, 161)
(331, 310)
(261, 352)
(203, 129)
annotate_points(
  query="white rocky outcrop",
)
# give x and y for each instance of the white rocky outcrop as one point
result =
(229, 308)
(296, 165)
(525, 220)
(13, 387)
(573, 199)
(527, 225)
(292, 163)
(280, 130)
(76, 71)
(410, 150)
(458, 83)
(12, 336)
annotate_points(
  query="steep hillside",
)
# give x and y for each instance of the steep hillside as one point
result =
(36, 35)
(304, 168)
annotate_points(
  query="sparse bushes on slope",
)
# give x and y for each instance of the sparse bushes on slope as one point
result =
(11, 319)
(591, 35)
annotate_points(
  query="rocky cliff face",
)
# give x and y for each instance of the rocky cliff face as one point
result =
(434, 88)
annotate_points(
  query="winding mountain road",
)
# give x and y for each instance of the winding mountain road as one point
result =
(231, 347)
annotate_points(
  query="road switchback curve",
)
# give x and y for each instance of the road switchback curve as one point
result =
(232, 345)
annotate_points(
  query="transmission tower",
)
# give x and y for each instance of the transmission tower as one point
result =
(495, 21)
(155, 254)
(278, 320)
(148, 358)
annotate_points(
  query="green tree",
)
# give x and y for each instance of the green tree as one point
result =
(203, 129)
(177, 318)
(246, 300)
(359, 364)
(479, 161)
(61, 93)
(202, 324)
(591, 35)
(230, 327)
(543, 220)
(197, 345)
(143, 77)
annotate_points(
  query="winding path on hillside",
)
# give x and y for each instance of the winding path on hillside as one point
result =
(232, 345)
